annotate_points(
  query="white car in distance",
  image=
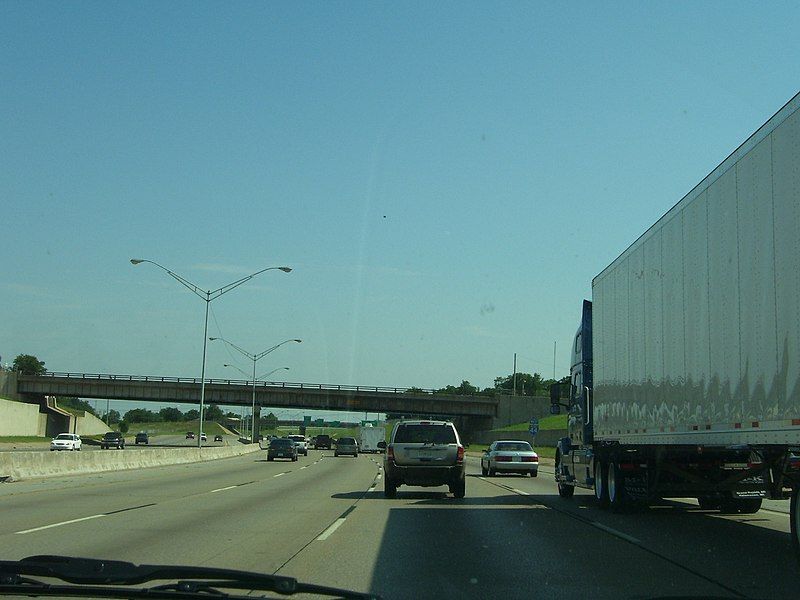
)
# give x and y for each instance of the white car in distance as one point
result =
(510, 456)
(300, 443)
(65, 441)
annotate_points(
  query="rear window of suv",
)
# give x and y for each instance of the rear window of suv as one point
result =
(425, 433)
(346, 441)
(281, 442)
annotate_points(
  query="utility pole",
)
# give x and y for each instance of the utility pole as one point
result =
(554, 360)
(514, 391)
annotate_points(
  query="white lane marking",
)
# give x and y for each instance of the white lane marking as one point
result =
(379, 476)
(373, 487)
(520, 492)
(301, 468)
(59, 524)
(279, 474)
(327, 533)
(230, 487)
(616, 533)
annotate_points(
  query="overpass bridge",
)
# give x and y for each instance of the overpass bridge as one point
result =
(473, 412)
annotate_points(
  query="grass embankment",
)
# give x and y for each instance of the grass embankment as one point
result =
(14, 439)
(547, 423)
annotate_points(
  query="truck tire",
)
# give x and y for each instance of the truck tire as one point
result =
(708, 502)
(389, 488)
(616, 488)
(601, 483)
(794, 519)
(565, 491)
(459, 488)
(484, 470)
(743, 506)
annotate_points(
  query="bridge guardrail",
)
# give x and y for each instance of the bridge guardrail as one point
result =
(196, 380)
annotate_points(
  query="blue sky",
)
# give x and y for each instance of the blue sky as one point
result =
(444, 179)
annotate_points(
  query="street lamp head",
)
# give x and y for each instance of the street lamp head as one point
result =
(298, 341)
(286, 269)
(136, 261)
(211, 339)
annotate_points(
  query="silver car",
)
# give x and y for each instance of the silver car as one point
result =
(424, 453)
(510, 456)
(346, 445)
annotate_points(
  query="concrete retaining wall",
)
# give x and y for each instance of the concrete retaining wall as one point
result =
(520, 409)
(88, 424)
(26, 465)
(543, 438)
(17, 418)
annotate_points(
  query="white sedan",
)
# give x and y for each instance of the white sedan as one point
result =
(65, 441)
(510, 456)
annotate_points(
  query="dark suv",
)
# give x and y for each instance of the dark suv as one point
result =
(112, 439)
(322, 441)
(142, 438)
(424, 453)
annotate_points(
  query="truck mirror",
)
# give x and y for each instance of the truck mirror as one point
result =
(555, 409)
(382, 445)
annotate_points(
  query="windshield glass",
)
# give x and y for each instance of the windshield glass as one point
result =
(405, 232)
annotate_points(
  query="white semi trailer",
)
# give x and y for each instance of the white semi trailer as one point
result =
(685, 370)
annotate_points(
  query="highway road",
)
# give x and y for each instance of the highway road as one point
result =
(325, 520)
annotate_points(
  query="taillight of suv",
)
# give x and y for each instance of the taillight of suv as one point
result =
(390, 454)
(460, 455)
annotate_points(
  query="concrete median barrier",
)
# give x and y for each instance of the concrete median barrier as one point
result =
(26, 465)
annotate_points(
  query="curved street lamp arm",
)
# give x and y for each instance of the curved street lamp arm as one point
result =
(182, 280)
(271, 372)
(275, 347)
(227, 288)
(235, 347)
(248, 375)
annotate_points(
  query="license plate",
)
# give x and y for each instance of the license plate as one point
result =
(426, 454)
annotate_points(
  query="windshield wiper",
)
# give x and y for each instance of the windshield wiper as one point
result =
(103, 578)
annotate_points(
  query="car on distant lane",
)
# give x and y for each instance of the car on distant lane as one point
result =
(346, 446)
(190, 435)
(510, 456)
(142, 438)
(300, 442)
(282, 448)
(218, 438)
(203, 437)
(112, 439)
(322, 441)
(65, 441)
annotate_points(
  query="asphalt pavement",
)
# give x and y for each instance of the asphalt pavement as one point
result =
(325, 520)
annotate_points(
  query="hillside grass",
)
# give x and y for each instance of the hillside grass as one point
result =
(14, 439)
(546, 423)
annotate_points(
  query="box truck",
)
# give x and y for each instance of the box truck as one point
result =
(368, 438)
(685, 369)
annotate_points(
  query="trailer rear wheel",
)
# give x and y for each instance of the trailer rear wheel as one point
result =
(794, 519)
(616, 488)
(601, 483)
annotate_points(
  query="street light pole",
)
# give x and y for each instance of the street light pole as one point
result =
(207, 296)
(255, 358)
(254, 380)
